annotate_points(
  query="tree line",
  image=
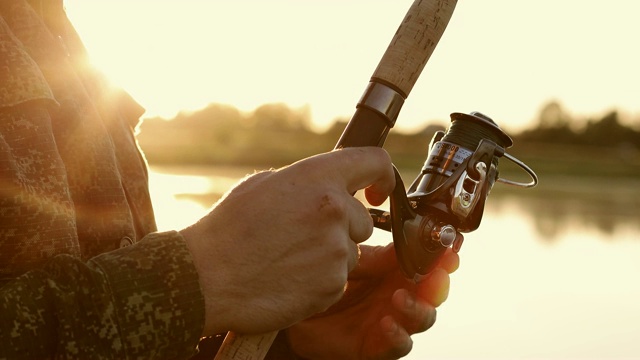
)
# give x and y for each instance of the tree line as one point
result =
(555, 125)
(275, 135)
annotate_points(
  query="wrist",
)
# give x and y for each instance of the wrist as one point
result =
(217, 314)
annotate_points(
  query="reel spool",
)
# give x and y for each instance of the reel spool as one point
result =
(448, 196)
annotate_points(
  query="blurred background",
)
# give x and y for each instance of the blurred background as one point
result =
(234, 86)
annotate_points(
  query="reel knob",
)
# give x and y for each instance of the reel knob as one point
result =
(444, 234)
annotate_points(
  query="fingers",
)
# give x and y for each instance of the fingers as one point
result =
(375, 262)
(414, 314)
(375, 198)
(354, 256)
(412, 310)
(377, 195)
(398, 341)
(360, 222)
(410, 317)
(415, 310)
(450, 261)
(360, 229)
(366, 167)
(435, 288)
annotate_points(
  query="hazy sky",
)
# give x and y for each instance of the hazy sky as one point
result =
(502, 57)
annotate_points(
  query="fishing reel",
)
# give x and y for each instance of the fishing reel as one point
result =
(448, 196)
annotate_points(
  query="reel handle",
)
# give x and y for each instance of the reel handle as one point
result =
(419, 240)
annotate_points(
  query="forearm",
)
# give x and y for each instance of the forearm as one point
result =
(142, 301)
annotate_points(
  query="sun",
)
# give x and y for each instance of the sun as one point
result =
(150, 56)
(175, 55)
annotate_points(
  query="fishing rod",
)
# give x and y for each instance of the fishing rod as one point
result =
(448, 196)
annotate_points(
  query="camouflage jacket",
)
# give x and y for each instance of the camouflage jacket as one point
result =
(83, 272)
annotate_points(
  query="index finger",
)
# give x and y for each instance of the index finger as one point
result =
(365, 167)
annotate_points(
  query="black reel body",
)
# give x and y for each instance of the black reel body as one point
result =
(448, 196)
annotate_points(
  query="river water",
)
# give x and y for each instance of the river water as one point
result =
(542, 278)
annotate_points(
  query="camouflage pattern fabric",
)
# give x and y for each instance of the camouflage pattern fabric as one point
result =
(70, 167)
(139, 302)
(83, 272)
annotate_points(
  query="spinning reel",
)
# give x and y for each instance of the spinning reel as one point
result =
(449, 194)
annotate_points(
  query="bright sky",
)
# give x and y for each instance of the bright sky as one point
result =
(504, 58)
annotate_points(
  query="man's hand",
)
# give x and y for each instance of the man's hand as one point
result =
(378, 313)
(278, 247)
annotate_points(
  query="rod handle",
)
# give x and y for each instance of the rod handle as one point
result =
(245, 347)
(413, 43)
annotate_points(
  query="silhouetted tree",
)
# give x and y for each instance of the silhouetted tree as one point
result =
(609, 131)
(555, 126)
(552, 115)
(280, 117)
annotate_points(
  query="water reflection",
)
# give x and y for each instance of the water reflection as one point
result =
(550, 277)
(182, 195)
(553, 217)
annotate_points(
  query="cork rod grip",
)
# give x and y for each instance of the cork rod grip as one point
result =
(399, 68)
(413, 43)
(245, 347)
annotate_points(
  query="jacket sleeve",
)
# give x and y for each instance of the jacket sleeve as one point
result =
(141, 301)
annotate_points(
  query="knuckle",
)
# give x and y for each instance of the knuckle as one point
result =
(342, 251)
(376, 153)
(367, 221)
(382, 156)
(329, 297)
(335, 286)
(331, 205)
